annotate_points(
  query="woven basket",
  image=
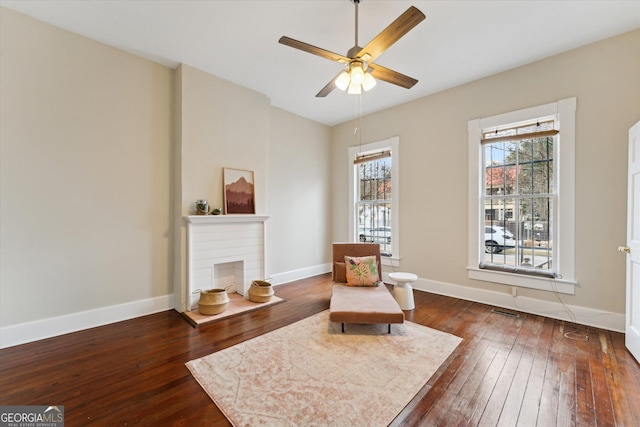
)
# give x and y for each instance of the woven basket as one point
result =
(213, 301)
(260, 291)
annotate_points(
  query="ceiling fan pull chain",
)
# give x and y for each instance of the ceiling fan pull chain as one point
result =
(356, 2)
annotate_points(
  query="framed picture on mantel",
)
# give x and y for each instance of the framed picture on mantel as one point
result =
(239, 192)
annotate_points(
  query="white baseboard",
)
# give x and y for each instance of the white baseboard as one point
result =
(46, 328)
(583, 315)
(302, 273)
(54, 326)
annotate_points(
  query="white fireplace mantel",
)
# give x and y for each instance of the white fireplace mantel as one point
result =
(221, 219)
(224, 249)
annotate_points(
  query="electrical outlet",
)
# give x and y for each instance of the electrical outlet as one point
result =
(514, 291)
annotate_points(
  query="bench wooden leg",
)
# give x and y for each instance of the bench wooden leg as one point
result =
(389, 328)
(343, 328)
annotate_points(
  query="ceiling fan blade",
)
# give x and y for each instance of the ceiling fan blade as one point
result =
(287, 41)
(390, 76)
(328, 88)
(398, 28)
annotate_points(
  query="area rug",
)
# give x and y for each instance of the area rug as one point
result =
(310, 374)
(237, 305)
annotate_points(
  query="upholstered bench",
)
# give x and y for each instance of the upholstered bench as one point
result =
(360, 304)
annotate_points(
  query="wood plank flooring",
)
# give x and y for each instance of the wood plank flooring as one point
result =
(507, 371)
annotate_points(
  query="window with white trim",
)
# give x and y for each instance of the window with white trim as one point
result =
(521, 197)
(373, 195)
(518, 198)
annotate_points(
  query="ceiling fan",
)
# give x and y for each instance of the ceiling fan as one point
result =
(360, 72)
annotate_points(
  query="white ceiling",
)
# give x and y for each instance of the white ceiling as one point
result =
(460, 41)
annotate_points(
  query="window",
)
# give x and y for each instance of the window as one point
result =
(373, 200)
(518, 178)
(373, 189)
(521, 187)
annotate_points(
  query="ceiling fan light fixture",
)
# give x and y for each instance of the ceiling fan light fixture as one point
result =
(342, 81)
(357, 73)
(354, 88)
(368, 82)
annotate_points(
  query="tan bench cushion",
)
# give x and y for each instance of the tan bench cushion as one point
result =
(363, 305)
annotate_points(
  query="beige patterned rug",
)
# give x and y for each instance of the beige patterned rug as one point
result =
(310, 374)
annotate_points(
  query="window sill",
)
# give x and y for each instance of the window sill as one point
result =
(523, 281)
(390, 261)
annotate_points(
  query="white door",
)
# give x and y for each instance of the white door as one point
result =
(632, 330)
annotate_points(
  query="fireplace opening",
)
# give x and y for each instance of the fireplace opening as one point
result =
(223, 275)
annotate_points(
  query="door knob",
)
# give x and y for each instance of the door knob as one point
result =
(626, 249)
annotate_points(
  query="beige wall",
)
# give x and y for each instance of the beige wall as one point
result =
(223, 125)
(433, 138)
(85, 145)
(102, 155)
(299, 188)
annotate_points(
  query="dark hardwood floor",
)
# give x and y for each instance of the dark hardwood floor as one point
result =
(507, 370)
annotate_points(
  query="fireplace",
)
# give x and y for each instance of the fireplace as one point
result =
(225, 251)
(221, 275)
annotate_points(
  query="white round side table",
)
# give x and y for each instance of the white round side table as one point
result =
(402, 291)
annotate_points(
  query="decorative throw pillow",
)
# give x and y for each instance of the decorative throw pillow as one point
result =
(361, 271)
(339, 272)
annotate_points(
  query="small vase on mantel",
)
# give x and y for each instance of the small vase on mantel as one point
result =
(202, 207)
